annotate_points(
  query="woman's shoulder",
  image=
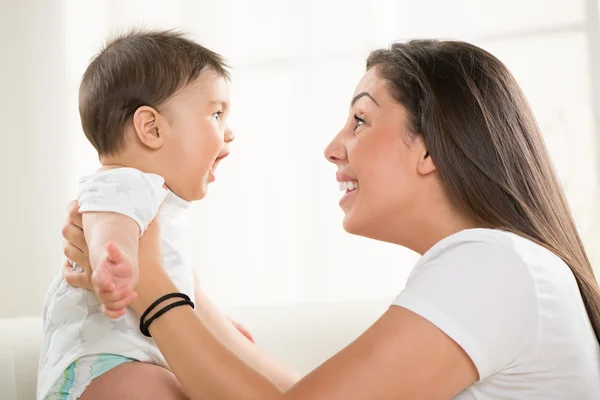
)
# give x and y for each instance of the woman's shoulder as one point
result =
(482, 261)
(493, 292)
(490, 257)
(493, 247)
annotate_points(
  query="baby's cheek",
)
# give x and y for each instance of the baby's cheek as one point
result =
(215, 146)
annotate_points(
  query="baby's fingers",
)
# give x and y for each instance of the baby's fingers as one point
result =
(115, 309)
(113, 296)
(115, 254)
(112, 313)
(121, 303)
(103, 281)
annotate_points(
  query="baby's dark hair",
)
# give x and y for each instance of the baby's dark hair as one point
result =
(140, 68)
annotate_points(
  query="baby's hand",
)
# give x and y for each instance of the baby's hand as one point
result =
(114, 279)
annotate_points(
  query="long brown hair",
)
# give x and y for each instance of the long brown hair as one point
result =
(485, 142)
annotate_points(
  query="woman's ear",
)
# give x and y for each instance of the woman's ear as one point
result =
(425, 165)
(148, 123)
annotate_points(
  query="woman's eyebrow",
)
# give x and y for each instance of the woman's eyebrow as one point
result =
(363, 94)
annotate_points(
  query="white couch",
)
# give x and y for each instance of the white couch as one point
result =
(303, 335)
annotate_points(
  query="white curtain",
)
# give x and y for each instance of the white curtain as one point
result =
(270, 229)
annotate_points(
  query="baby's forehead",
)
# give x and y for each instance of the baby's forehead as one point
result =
(208, 88)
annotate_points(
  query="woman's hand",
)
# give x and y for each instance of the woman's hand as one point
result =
(152, 273)
(242, 329)
(76, 250)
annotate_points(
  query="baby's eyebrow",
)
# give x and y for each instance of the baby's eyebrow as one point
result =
(363, 94)
(221, 103)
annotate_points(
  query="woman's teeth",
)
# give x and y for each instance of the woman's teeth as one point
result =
(348, 186)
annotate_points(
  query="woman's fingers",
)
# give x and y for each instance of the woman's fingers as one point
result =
(76, 278)
(76, 255)
(242, 329)
(76, 250)
(74, 235)
(74, 214)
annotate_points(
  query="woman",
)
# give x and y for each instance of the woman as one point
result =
(440, 154)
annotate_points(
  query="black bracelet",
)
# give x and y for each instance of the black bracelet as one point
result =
(160, 300)
(144, 325)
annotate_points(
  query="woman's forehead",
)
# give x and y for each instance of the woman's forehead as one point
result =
(375, 86)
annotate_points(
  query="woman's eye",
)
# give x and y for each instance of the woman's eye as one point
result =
(359, 122)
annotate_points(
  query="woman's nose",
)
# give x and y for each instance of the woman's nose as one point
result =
(335, 150)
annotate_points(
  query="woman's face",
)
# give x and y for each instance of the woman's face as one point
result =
(383, 172)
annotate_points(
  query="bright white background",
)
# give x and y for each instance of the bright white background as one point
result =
(270, 230)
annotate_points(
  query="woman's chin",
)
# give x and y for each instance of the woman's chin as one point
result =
(350, 223)
(361, 224)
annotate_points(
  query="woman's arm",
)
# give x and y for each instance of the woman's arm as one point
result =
(221, 327)
(221, 374)
(402, 356)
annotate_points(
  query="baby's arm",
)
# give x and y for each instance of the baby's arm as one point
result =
(117, 206)
(113, 244)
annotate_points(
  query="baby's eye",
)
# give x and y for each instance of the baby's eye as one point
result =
(217, 115)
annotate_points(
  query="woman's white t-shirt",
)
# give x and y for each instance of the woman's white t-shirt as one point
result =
(516, 310)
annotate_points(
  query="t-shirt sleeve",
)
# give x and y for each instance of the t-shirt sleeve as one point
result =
(125, 191)
(482, 296)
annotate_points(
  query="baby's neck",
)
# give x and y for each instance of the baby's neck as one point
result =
(121, 162)
(106, 167)
(128, 161)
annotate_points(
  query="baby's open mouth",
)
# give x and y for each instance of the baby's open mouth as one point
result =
(218, 161)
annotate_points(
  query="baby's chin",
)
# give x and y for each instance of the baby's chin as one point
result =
(191, 193)
(199, 192)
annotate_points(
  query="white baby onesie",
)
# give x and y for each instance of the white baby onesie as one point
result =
(73, 324)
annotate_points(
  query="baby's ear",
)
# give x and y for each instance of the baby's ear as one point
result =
(148, 123)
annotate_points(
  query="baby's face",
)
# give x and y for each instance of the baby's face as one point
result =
(198, 137)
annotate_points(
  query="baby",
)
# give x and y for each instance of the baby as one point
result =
(155, 106)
